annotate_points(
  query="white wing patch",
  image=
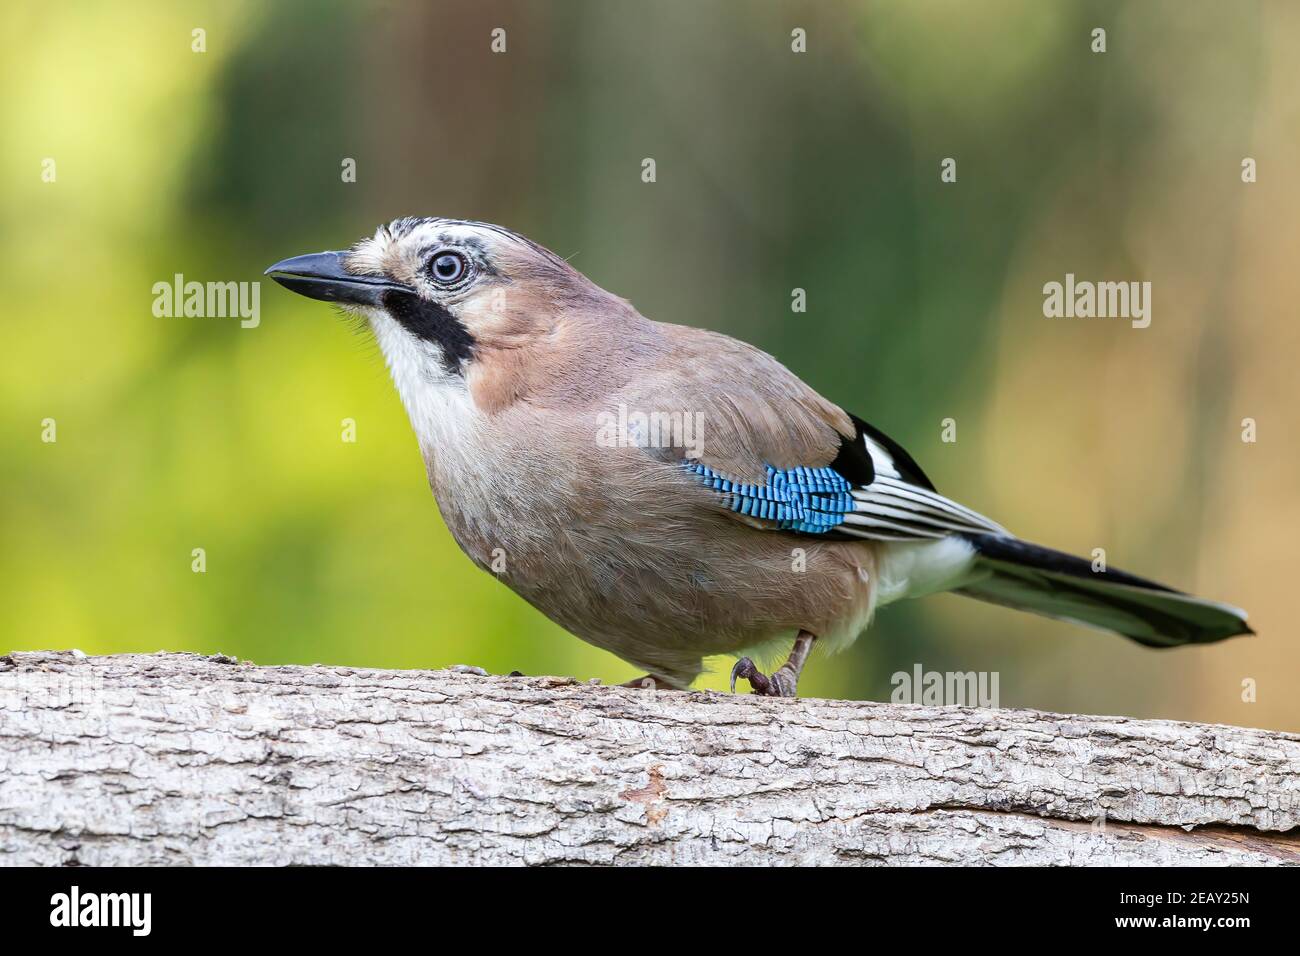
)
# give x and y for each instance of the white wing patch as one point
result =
(881, 461)
(891, 509)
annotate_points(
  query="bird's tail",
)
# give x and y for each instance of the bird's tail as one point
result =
(1032, 578)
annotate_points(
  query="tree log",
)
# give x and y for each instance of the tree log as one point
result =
(182, 759)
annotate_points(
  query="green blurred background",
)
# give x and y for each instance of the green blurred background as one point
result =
(775, 170)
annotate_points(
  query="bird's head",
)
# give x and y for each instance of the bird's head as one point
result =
(444, 295)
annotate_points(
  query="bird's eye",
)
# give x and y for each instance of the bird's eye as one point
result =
(448, 267)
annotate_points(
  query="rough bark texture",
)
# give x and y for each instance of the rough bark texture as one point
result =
(175, 758)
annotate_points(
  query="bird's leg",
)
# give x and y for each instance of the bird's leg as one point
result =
(648, 682)
(785, 681)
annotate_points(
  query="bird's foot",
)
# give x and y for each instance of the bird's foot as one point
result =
(784, 682)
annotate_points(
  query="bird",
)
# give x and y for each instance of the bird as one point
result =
(670, 493)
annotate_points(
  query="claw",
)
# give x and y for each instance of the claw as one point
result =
(762, 684)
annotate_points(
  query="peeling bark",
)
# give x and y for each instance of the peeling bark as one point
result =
(181, 759)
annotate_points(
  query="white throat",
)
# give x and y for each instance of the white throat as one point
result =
(437, 401)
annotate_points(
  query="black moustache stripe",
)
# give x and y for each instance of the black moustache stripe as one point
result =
(433, 323)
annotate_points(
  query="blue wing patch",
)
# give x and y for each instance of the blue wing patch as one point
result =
(811, 500)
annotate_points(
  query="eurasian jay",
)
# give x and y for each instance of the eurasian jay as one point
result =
(670, 493)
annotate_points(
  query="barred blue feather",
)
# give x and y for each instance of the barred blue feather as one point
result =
(810, 500)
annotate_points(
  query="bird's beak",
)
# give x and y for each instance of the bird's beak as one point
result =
(323, 276)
